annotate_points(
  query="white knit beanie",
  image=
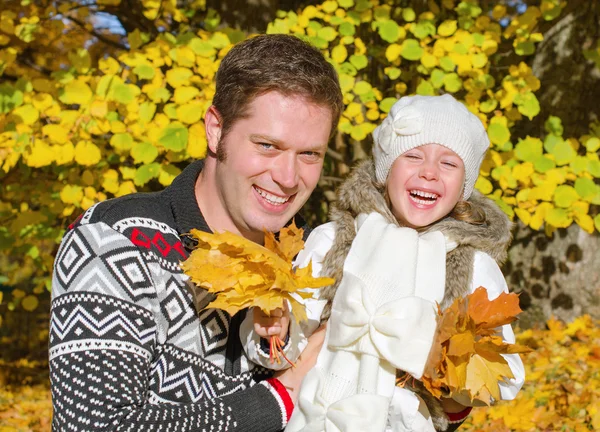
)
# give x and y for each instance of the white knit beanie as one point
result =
(414, 121)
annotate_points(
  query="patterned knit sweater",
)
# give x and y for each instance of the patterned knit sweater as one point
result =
(128, 351)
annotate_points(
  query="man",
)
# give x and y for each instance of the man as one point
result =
(128, 349)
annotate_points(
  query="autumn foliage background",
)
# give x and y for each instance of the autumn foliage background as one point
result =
(103, 98)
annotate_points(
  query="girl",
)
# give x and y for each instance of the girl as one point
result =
(407, 232)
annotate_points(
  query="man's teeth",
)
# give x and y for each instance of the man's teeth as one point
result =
(272, 199)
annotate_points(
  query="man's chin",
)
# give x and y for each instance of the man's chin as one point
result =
(273, 224)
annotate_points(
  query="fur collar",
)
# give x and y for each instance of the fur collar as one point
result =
(361, 193)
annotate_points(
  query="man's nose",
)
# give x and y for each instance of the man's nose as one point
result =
(285, 171)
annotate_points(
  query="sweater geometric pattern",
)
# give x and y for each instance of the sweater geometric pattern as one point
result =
(128, 351)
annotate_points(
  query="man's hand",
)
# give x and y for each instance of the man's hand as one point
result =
(292, 378)
(277, 323)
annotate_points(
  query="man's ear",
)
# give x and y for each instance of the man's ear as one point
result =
(214, 127)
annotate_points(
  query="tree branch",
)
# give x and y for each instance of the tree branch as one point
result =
(335, 155)
(97, 35)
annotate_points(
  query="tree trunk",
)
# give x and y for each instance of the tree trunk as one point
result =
(558, 276)
(570, 84)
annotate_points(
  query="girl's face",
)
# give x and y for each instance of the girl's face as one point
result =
(425, 184)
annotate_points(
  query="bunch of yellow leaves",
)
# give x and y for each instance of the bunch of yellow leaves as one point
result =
(466, 354)
(243, 274)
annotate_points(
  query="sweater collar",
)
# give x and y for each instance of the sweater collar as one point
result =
(182, 195)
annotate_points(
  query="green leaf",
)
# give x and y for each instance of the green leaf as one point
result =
(362, 87)
(408, 14)
(411, 50)
(543, 164)
(121, 141)
(525, 48)
(460, 48)
(346, 4)
(597, 222)
(529, 149)
(447, 64)
(551, 141)
(202, 48)
(422, 29)
(393, 72)
(329, 6)
(179, 76)
(219, 40)
(452, 82)
(565, 196)
(145, 173)
(586, 188)
(386, 104)
(488, 106)
(592, 144)
(144, 153)
(144, 71)
(147, 111)
(563, 153)
(160, 95)
(190, 113)
(594, 168)
(425, 88)
(389, 31)
(10, 98)
(554, 125)
(479, 60)
(346, 82)
(125, 93)
(359, 61)
(498, 133)
(437, 78)
(469, 9)
(558, 217)
(347, 29)
(579, 164)
(174, 137)
(327, 33)
(528, 105)
(318, 42)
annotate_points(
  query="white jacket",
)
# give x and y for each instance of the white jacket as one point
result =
(407, 412)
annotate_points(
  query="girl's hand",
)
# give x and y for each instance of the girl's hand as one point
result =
(276, 323)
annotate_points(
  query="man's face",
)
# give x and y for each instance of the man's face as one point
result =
(274, 158)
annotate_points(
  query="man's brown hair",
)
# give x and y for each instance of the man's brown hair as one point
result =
(281, 63)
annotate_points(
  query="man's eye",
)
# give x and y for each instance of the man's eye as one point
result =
(266, 146)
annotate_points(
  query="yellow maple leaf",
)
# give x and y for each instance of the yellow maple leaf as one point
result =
(466, 355)
(244, 274)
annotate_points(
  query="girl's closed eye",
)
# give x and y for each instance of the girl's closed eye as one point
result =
(412, 155)
(450, 164)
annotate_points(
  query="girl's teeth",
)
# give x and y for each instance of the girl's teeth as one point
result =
(424, 194)
(272, 199)
(420, 201)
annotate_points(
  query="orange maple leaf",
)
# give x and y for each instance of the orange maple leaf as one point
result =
(243, 274)
(466, 356)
